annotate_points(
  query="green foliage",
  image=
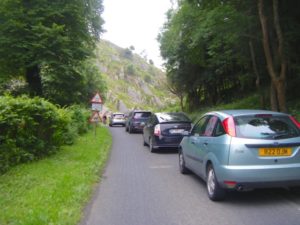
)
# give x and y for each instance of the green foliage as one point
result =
(54, 190)
(34, 128)
(48, 35)
(207, 48)
(127, 53)
(130, 70)
(75, 86)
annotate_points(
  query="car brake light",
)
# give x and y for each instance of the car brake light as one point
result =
(157, 130)
(230, 184)
(229, 126)
(295, 121)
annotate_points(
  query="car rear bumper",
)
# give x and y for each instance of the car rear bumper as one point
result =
(263, 176)
(118, 123)
(166, 142)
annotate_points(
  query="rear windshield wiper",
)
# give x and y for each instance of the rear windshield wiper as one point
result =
(282, 135)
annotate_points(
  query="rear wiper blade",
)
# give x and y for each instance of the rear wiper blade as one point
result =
(277, 136)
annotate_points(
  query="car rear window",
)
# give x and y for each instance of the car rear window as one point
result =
(173, 117)
(119, 116)
(141, 115)
(265, 127)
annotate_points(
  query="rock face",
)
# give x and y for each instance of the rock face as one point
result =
(131, 81)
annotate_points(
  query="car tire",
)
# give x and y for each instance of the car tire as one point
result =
(214, 191)
(151, 146)
(130, 130)
(144, 142)
(182, 167)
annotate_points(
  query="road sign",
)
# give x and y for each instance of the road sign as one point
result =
(97, 107)
(95, 118)
(96, 99)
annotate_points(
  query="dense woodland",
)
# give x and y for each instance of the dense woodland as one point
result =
(46, 49)
(220, 50)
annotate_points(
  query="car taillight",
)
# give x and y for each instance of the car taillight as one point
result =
(295, 121)
(157, 130)
(229, 126)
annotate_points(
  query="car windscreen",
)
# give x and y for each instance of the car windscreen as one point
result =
(173, 117)
(265, 127)
(142, 115)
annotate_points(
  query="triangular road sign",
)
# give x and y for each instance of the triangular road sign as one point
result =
(97, 99)
(95, 117)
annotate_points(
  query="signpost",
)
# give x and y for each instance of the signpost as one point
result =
(96, 102)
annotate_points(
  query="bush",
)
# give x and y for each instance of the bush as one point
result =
(34, 128)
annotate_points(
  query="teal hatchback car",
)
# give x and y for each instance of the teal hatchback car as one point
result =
(242, 150)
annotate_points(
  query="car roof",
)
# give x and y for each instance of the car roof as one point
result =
(243, 112)
(141, 111)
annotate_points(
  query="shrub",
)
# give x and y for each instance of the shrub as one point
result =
(33, 128)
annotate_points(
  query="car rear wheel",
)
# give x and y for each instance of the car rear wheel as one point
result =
(151, 145)
(144, 142)
(130, 130)
(182, 167)
(214, 191)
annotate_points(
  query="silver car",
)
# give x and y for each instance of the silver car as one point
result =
(117, 119)
(242, 150)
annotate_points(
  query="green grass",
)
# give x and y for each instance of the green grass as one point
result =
(54, 190)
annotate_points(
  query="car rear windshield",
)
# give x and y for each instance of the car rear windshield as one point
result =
(265, 127)
(119, 116)
(141, 115)
(173, 117)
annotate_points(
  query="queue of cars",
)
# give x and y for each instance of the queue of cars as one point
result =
(229, 149)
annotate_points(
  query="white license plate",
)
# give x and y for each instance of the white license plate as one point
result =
(176, 131)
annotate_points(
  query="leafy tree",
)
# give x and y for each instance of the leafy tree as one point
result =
(78, 87)
(54, 35)
(214, 49)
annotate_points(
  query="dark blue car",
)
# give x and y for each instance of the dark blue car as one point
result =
(165, 130)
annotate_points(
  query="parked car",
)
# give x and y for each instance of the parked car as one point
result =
(117, 119)
(242, 150)
(136, 120)
(165, 130)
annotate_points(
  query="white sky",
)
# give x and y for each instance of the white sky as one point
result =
(136, 23)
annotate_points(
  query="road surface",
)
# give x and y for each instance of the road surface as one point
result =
(143, 188)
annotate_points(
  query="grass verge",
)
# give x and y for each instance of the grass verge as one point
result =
(54, 190)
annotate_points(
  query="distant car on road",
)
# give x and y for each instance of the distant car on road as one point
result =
(136, 120)
(241, 150)
(165, 130)
(117, 119)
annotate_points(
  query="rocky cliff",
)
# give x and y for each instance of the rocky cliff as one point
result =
(132, 81)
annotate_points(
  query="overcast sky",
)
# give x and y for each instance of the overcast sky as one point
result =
(136, 23)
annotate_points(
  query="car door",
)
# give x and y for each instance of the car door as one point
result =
(193, 146)
(203, 143)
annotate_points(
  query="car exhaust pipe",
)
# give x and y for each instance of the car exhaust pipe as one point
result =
(240, 188)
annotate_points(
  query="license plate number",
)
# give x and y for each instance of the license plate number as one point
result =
(275, 152)
(176, 131)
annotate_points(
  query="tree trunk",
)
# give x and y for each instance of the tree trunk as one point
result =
(34, 82)
(273, 97)
(278, 78)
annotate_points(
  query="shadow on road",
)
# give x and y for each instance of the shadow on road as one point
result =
(263, 197)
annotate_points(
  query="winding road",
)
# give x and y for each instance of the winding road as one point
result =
(143, 188)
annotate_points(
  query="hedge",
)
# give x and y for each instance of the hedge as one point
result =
(31, 128)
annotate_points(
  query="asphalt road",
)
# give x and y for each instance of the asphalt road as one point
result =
(143, 188)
